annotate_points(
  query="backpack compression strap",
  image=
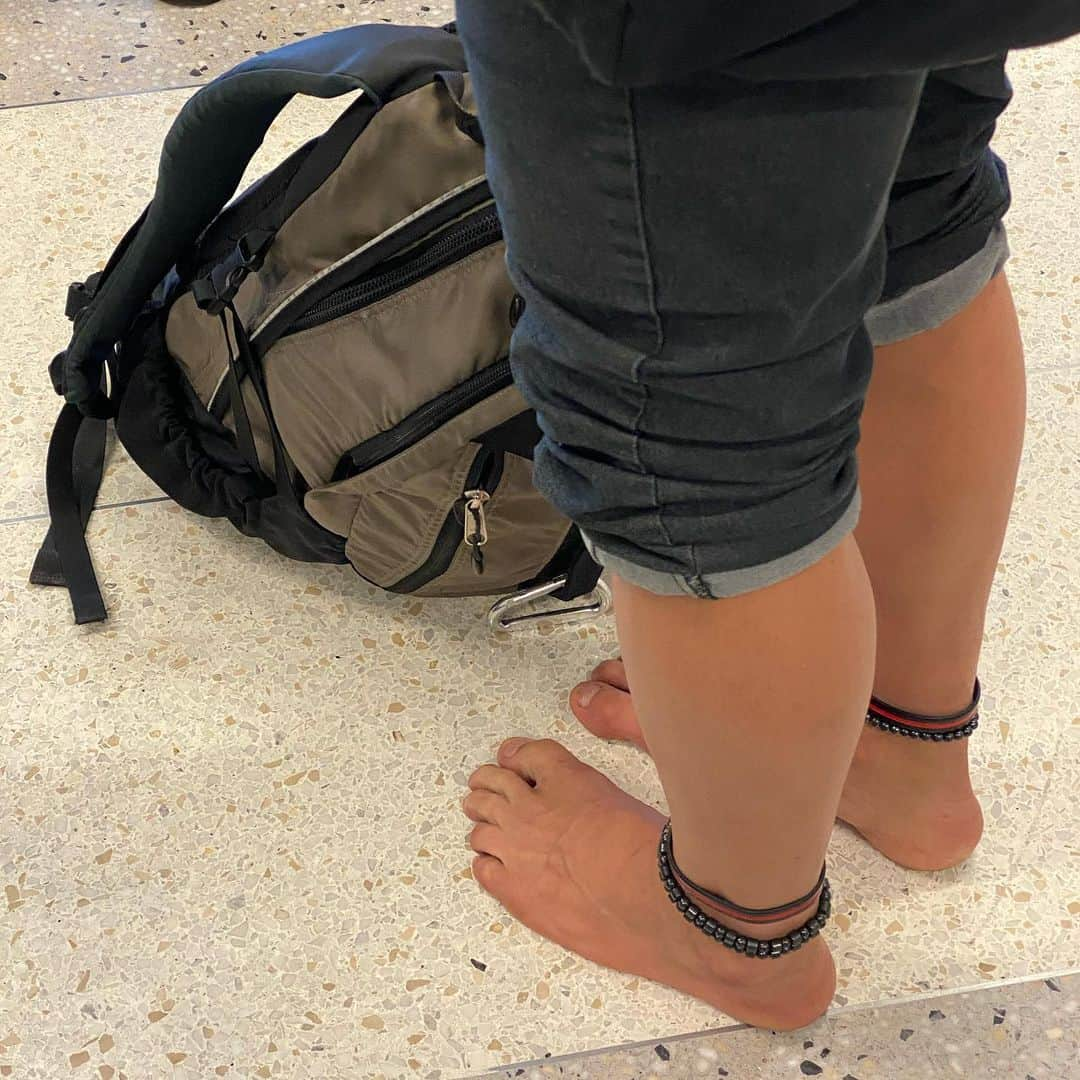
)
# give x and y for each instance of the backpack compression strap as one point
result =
(203, 160)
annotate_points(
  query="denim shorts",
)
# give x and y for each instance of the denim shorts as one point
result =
(707, 264)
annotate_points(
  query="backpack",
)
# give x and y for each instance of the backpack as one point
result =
(323, 361)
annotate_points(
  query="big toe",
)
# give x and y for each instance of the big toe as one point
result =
(612, 672)
(534, 759)
(607, 712)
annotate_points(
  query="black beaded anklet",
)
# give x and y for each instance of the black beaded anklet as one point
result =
(958, 725)
(670, 874)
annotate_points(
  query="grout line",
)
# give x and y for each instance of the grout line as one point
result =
(844, 1010)
(25, 517)
(97, 507)
(1066, 366)
(934, 995)
(1032, 372)
(619, 1048)
(102, 97)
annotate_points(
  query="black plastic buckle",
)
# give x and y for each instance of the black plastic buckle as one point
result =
(213, 294)
(252, 248)
(79, 295)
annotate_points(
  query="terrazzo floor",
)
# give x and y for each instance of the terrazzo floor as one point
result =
(230, 841)
(60, 50)
(1021, 1031)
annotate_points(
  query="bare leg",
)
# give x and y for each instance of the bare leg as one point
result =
(941, 439)
(752, 753)
(753, 750)
(942, 434)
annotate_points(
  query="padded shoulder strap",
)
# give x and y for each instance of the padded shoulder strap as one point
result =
(209, 147)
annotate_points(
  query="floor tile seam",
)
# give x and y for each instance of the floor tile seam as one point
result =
(44, 515)
(101, 97)
(844, 1010)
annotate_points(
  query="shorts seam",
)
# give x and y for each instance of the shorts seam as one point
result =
(658, 323)
(696, 584)
(639, 363)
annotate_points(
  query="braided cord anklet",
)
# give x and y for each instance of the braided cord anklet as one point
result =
(958, 725)
(771, 948)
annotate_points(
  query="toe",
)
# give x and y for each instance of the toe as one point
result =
(501, 781)
(534, 759)
(487, 839)
(509, 747)
(490, 874)
(484, 806)
(612, 672)
(602, 704)
(606, 711)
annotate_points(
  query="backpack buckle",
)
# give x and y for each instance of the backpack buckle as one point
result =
(79, 296)
(510, 613)
(215, 292)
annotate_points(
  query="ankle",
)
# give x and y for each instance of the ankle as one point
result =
(932, 694)
(770, 932)
(924, 687)
(912, 761)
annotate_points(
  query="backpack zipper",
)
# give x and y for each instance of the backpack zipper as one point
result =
(448, 246)
(458, 212)
(466, 523)
(421, 423)
(476, 531)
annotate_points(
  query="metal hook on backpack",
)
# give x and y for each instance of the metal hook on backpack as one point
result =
(592, 606)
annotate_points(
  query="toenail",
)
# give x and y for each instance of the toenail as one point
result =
(511, 747)
(585, 693)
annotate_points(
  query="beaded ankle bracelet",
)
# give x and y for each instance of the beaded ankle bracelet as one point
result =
(958, 725)
(676, 882)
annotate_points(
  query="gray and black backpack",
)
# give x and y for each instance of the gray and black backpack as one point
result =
(323, 361)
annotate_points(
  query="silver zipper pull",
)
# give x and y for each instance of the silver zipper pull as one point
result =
(476, 532)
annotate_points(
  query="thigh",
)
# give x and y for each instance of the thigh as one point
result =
(951, 190)
(697, 261)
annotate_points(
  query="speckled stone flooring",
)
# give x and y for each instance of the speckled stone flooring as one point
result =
(1024, 1031)
(230, 841)
(57, 50)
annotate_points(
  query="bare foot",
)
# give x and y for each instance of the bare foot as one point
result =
(911, 800)
(574, 858)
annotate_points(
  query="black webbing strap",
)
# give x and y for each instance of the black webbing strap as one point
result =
(581, 576)
(248, 365)
(468, 123)
(73, 470)
(244, 439)
(518, 435)
(325, 157)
